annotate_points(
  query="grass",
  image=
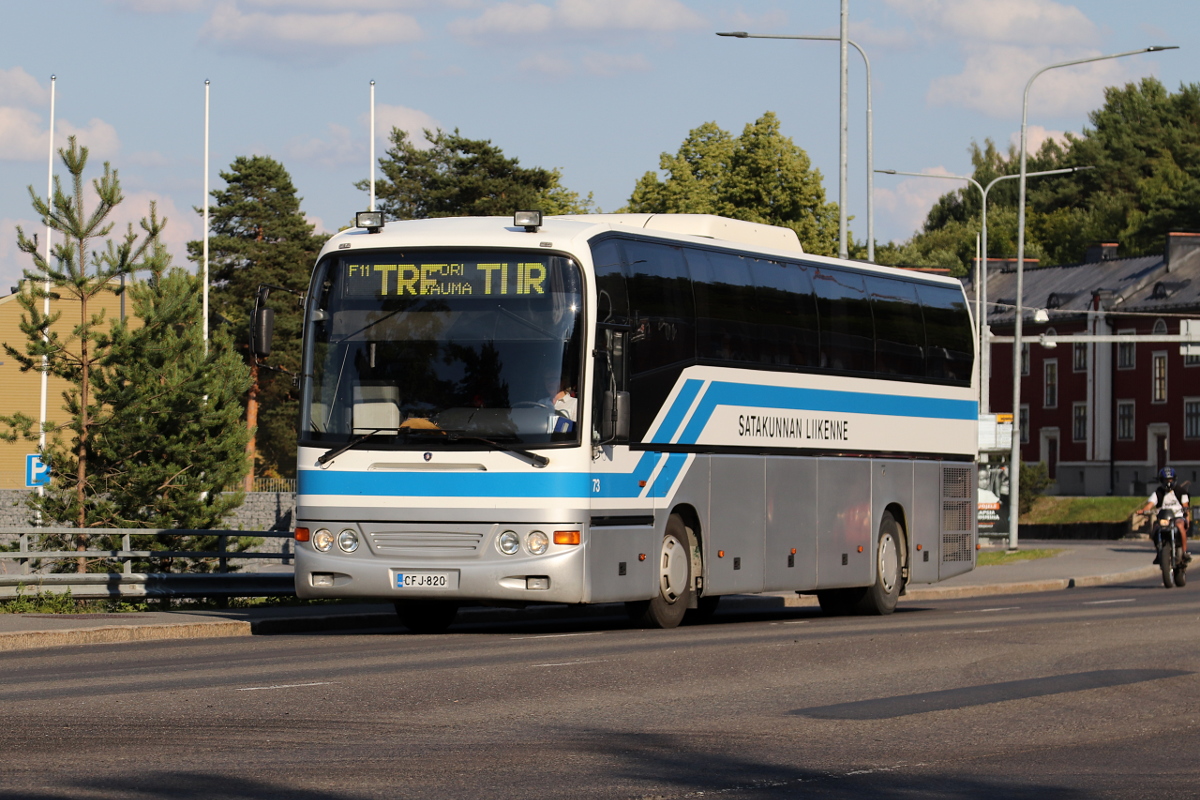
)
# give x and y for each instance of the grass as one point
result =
(1065, 510)
(996, 558)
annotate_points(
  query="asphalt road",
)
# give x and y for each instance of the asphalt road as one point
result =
(1074, 694)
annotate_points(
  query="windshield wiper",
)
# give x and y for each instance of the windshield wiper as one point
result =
(332, 453)
(537, 460)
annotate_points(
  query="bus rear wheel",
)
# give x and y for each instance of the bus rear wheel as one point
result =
(674, 572)
(426, 616)
(880, 597)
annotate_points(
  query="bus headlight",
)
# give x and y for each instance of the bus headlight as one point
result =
(322, 540)
(509, 543)
(348, 541)
(537, 543)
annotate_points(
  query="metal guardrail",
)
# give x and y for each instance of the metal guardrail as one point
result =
(130, 584)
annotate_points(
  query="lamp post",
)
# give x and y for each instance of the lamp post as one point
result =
(842, 233)
(1014, 478)
(985, 350)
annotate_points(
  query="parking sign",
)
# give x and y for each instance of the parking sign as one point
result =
(37, 472)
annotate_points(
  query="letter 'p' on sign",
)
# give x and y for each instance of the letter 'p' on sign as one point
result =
(37, 472)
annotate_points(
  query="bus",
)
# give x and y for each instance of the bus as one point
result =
(648, 409)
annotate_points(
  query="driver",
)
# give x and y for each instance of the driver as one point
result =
(560, 399)
(1174, 499)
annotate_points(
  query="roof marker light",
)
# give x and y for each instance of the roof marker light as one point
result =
(529, 220)
(371, 220)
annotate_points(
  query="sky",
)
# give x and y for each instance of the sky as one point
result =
(595, 88)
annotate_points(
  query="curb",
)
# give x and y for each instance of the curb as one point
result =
(110, 634)
(113, 634)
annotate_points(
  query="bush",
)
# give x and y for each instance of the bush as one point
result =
(1034, 480)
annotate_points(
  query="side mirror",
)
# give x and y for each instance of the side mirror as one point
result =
(614, 417)
(262, 331)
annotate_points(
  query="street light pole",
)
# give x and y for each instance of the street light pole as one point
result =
(870, 131)
(985, 347)
(843, 134)
(1014, 471)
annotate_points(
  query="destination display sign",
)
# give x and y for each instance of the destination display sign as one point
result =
(442, 277)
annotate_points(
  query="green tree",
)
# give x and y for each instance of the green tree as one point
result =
(176, 440)
(455, 176)
(260, 236)
(760, 176)
(79, 271)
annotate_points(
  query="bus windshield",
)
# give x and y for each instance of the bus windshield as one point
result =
(413, 348)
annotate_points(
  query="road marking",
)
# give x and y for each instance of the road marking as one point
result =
(1102, 602)
(793, 622)
(569, 663)
(985, 610)
(554, 635)
(284, 686)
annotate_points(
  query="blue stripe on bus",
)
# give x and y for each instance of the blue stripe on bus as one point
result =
(462, 484)
(666, 477)
(683, 401)
(721, 393)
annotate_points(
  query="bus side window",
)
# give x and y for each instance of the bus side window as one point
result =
(847, 333)
(899, 331)
(786, 313)
(726, 324)
(948, 334)
(612, 300)
(662, 339)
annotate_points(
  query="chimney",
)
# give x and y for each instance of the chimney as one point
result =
(1103, 251)
(1181, 247)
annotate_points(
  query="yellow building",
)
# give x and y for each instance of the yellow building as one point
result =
(22, 391)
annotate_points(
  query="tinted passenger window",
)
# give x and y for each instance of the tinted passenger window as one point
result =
(786, 314)
(847, 336)
(612, 301)
(899, 331)
(948, 334)
(726, 325)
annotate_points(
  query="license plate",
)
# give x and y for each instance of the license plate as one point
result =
(425, 580)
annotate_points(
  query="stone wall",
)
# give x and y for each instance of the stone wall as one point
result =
(261, 511)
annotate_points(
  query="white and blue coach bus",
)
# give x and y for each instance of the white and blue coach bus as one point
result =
(650, 409)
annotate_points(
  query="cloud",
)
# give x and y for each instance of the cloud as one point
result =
(12, 261)
(19, 88)
(579, 17)
(907, 202)
(607, 65)
(23, 136)
(1034, 22)
(305, 34)
(1035, 136)
(994, 77)
(340, 147)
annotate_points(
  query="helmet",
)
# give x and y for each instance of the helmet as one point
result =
(1166, 474)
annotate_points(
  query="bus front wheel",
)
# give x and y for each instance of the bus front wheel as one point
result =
(674, 572)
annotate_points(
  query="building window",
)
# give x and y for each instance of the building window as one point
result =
(1080, 362)
(1158, 371)
(1024, 357)
(1191, 418)
(1050, 386)
(1023, 423)
(1125, 420)
(1126, 353)
(1079, 422)
(1160, 328)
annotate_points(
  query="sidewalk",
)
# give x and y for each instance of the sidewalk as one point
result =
(1081, 563)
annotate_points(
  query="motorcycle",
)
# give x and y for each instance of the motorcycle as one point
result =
(1165, 536)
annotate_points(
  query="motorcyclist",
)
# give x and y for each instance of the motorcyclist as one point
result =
(1174, 499)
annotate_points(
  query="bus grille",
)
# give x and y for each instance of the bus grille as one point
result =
(956, 483)
(429, 542)
(956, 515)
(957, 547)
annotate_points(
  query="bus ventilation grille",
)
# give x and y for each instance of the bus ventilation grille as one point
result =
(957, 547)
(956, 482)
(956, 516)
(425, 542)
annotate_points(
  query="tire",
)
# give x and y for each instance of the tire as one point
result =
(839, 602)
(705, 608)
(1165, 562)
(1181, 576)
(667, 608)
(880, 598)
(426, 616)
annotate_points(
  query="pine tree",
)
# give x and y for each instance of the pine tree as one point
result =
(79, 272)
(459, 177)
(260, 236)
